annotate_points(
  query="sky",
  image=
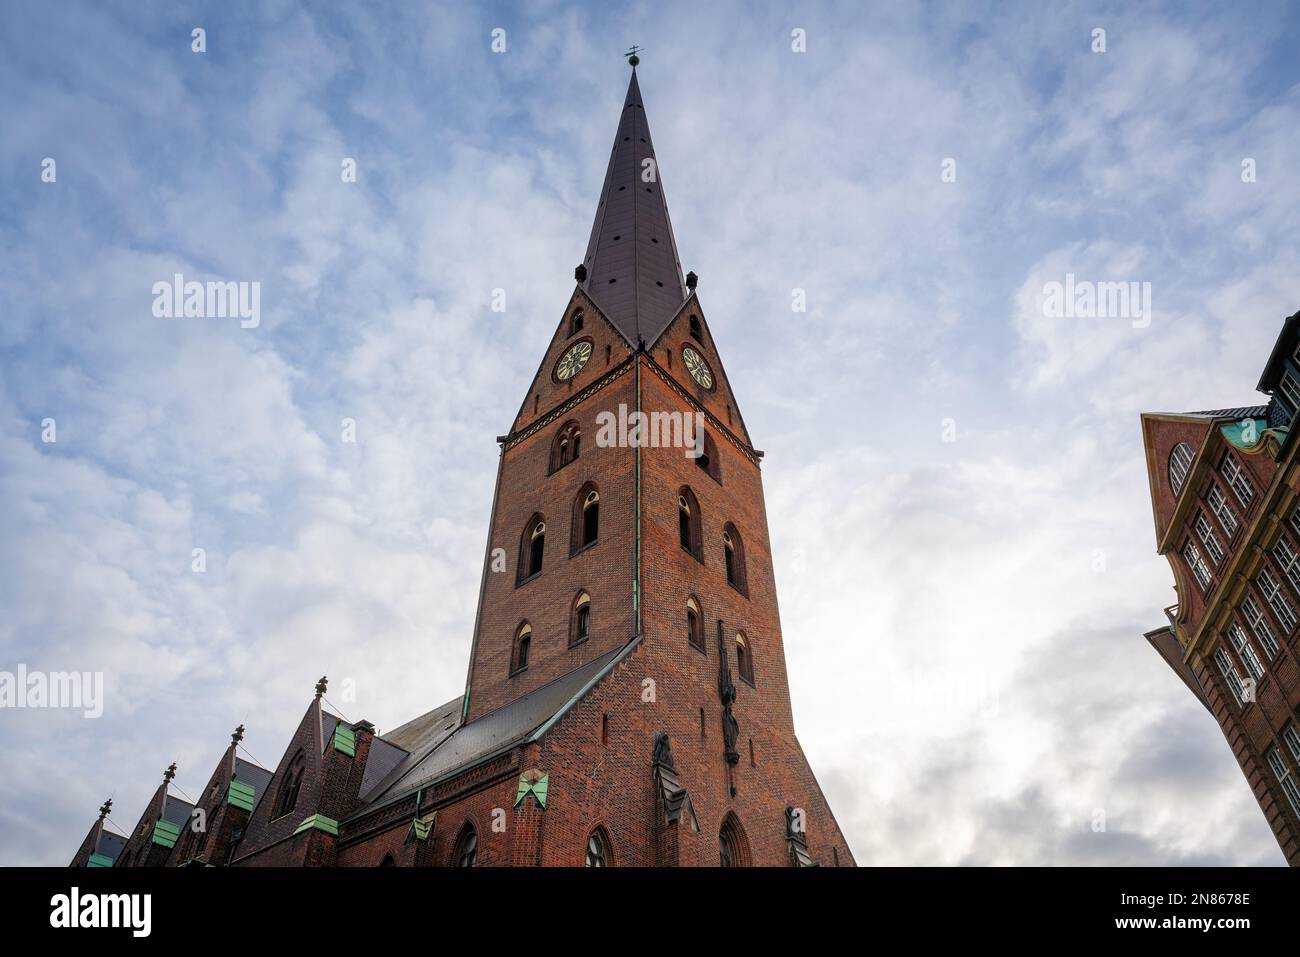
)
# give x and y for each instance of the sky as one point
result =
(956, 491)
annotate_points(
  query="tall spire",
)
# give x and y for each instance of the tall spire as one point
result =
(632, 269)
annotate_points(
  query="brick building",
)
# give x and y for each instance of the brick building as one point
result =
(627, 702)
(1224, 489)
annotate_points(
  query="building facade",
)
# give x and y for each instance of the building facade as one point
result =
(626, 702)
(1224, 487)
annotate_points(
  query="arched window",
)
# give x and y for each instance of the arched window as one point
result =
(566, 446)
(523, 642)
(707, 460)
(586, 518)
(291, 786)
(532, 549)
(388, 861)
(1180, 463)
(688, 522)
(466, 852)
(580, 629)
(744, 657)
(733, 554)
(696, 333)
(598, 848)
(694, 623)
(575, 322)
(733, 849)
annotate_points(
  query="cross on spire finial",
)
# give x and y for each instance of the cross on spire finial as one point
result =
(170, 772)
(631, 55)
(105, 808)
(238, 735)
(321, 686)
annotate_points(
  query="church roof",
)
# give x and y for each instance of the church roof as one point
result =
(254, 775)
(493, 732)
(633, 271)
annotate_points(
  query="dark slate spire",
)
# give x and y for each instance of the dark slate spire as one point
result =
(633, 272)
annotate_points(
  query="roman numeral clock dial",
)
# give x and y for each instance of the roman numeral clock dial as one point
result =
(697, 367)
(572, 361)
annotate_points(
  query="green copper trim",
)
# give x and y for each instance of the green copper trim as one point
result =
(424, 825)
(99, 860)
(240, 795)
(319, 822)
(165, 833)
(538, 789)
(345, 740)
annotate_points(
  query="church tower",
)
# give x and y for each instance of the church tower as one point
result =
(627, 701)
(648, 547)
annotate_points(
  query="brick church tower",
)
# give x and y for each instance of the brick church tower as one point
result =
(626, 702)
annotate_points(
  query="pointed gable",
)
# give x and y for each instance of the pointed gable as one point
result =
(632, 268)
(1161, 434)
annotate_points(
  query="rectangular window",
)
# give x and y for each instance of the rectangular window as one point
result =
(1284, 778)
(1271, 589)
(1287, 561)
(1211, 541)
(1245, 651)
(1295, 520)
(1259, 625)
(1223, 510)
(1290, 389)
(1230, 677)
(1197, 564)
(1238, 480)
(1292, 739)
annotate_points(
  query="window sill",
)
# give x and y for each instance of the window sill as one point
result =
(580, 642)
(525, 581)
(749, 681)
(518, 671)
(589, 545)
(700, 648)
(698, 557)
(739, 589)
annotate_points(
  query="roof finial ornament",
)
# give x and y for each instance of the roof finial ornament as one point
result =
(170, 772)
(105, 808)
(238, 735)
(631, 55)
(321, 686)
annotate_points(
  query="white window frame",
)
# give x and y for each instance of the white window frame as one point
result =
(1222, 510)
(1210, 540)
(1238, 480)
(1271, 589)
(1288, 562)
(1200, 570)
(1230, 676)
(1289, 388)
(1260, 626)
(1246, 651)
(1178, 468)
(1292, 739)
(1284, 777)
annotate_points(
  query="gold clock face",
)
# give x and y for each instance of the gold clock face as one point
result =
(573, 360)
(697, 367)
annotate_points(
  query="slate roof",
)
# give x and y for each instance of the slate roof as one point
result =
(1245, 412)
(110, 844)
(254, 775)
(177, 811)
(463, 745)
(633, 272)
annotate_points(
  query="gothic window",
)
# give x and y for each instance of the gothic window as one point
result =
(533, 548)
(575, 322)
(732, 848)
(1180, 463)
(580, 629)
(733, 554)
(291, 786)
(566, 446)
(696, 333)
(598, 848)
(707, 460)
(466, 852)
(388, 861)
(688, 522)
(586, 519)
(523, 643)
(694, 624)
(744, 657)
